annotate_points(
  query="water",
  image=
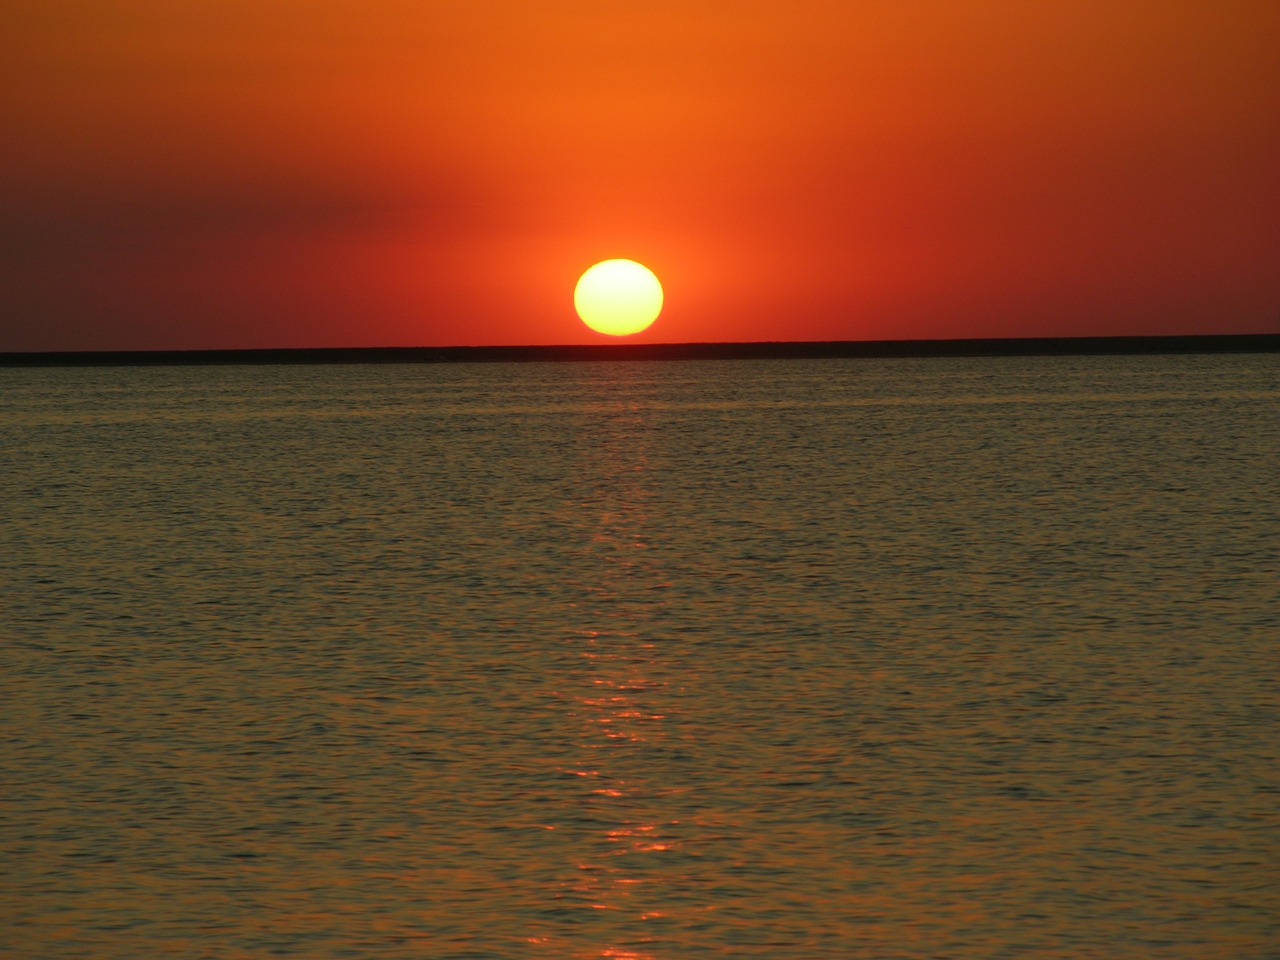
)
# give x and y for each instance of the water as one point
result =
(810, 659)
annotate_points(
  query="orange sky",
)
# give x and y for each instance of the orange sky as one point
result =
(329, 172)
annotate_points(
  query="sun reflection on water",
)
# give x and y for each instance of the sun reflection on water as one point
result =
(621, 726)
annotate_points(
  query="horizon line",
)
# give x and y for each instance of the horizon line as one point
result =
(705, 350)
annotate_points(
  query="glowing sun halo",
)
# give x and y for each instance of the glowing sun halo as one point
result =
(618, 297)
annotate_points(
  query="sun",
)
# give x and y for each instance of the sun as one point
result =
(618, 297)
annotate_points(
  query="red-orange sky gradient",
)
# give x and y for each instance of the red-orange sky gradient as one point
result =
(298, 173)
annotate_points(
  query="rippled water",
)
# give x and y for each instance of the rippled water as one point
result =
(807, 659)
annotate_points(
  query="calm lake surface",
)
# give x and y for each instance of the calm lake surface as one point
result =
(926, 658)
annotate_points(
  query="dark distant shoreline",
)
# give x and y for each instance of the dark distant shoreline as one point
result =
(780, 350)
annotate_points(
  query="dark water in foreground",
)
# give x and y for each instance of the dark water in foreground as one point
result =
(808, 659)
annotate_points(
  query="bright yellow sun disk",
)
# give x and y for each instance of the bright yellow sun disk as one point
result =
(618, 297)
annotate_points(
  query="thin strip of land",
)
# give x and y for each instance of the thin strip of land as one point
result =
(765, 350)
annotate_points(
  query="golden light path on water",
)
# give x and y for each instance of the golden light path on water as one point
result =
(615, 874)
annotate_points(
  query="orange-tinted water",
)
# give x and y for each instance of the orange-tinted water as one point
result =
(809, 659)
